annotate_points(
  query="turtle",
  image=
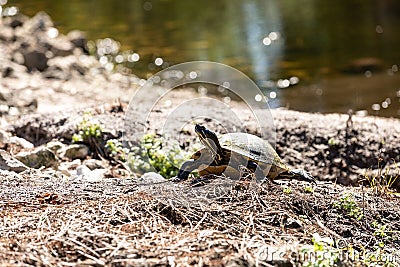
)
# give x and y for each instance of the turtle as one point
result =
(226, 154)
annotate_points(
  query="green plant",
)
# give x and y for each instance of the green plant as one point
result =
(347, 203)
(152, 153)
(385, 233)
(308, 189)
(89, 131)
(321, 254)
(332, 142)
(382, 181)
(87, 128)
(116, 150)
(287, 190)
(380, 231)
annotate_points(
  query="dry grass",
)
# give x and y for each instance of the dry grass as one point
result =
(220, 223)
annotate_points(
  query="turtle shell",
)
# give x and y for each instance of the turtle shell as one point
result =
(253, 148)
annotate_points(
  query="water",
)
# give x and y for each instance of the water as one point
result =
(302, 53)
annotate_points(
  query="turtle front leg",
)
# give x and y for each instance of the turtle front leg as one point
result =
(186, 168)
(260, 176)
(301, 175)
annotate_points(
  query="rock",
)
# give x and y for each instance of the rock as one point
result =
(69, 167)
(13, 111)
(4, 95)
(9, 163)
(40, 22)
(60, 47)
(35, 60)
(4, 137)
(84, 173)
(82, 170)
(24, 100)
(64, 68)
(55, 146)
(40, 157)
(6, 34)
(78, 39)
(78, 68)
(4, 109)
(7, 72)
(18, 58)
(95, 164)
(21, 142)
(76, 151)
(15, 21)
(150, 178)
(55, 72)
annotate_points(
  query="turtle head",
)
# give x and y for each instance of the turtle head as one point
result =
(210, 140)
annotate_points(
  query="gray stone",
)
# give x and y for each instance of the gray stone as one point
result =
(4, 137)
(13, 111)
(60, 47)
(24, 100)
(55, 146)
(6, 34)
(21, 142)
(15, 21)
(55, 72)
(151, 177)
(40, 157)
(84, 173)
(64, 68)
(76, 151)
(78, 38)
(35, 60)
(95, 164)
(9, 163)
(4, 109)
(82, 170)
(40, 22)
(7, 72)
(69, 167)
(18, 58)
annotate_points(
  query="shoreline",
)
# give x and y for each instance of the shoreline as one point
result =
(43, 69)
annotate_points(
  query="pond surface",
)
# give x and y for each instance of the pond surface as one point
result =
(309, 55)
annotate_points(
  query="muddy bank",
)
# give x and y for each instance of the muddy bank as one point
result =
(345, 151)
(339, 147)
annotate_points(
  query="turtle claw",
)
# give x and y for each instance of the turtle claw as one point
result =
(176, 179)
(182, 175)
(303, 175)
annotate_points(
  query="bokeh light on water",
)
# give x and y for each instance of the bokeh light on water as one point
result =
(307, 55)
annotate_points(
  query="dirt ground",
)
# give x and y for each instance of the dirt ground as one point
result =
(48, 222)
(52, 218)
